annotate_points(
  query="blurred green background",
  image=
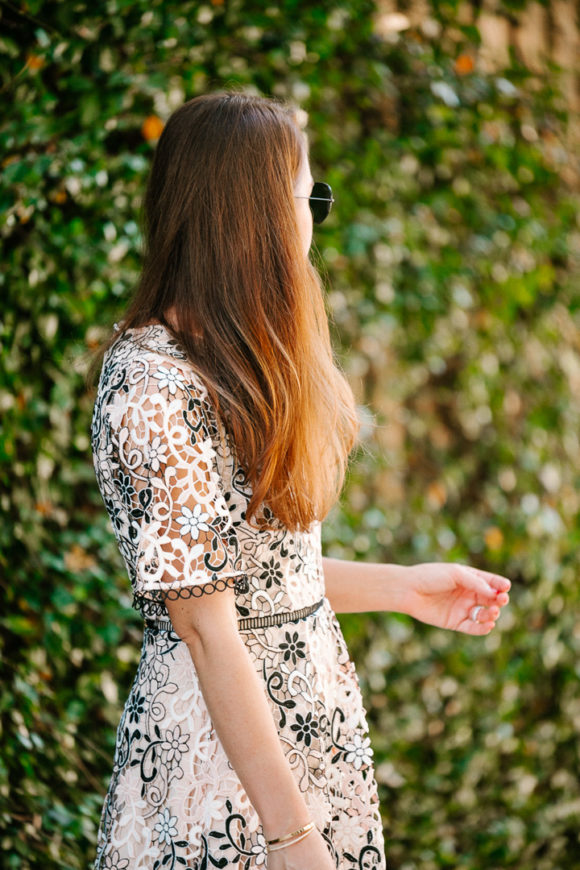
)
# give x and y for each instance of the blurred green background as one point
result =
(452, 264)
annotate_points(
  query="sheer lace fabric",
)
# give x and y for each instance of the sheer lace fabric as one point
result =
(177, 497)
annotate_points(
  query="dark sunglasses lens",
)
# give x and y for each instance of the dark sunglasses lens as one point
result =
(320, 202)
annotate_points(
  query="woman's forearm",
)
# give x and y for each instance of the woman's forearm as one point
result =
(357, 587)
(243, 721)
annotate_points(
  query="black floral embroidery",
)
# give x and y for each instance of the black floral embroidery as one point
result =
(272, 573)
(136, 707)
(126, 488)
(305, 727)
(171, 779)
(116, 513)
(293, 647)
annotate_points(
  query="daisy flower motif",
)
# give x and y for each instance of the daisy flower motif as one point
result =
(171, 378)
(193, 522)
(305, 727)
(157, 450)
(272, 572)
(136, 707)
(113, 861)
(114, 810)
(350, 827)
(165, 827)
(259, 849)
(175, 744)
(292, 647)
(358, 751)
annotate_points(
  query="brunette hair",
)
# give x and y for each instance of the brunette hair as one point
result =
(222, 245)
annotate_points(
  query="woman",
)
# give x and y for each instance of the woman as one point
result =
(221, 433)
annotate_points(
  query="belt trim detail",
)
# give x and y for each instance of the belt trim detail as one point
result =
(252, 621)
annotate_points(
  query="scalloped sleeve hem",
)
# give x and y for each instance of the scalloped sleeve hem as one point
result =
(151, 603)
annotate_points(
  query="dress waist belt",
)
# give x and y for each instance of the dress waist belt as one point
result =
(252, 621)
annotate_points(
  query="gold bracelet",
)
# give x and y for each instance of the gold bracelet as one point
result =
(305, 829)
(289, 843)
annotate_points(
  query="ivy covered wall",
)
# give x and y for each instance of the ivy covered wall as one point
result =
(452, 271)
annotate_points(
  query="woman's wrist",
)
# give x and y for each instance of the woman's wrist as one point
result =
(283, 812)
(276, 828)
(398, 581)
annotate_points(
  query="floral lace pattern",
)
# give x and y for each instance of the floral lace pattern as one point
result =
(177, 497)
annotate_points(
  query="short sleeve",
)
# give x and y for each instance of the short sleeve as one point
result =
(184, 540)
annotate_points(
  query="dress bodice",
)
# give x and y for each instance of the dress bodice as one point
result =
(176, 494)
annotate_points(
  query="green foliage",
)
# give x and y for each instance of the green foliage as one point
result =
(453, 263)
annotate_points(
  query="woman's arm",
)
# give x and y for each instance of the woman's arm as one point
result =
(437, 593)
(239, 710)
(357, 587)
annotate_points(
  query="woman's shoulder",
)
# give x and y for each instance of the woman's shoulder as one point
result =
(146, 376)
(151, 353)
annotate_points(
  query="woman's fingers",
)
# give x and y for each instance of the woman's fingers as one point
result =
(477, 628)
(473, 579)
(488, 614)
(494, 586)
(491, 594)
(485, 621)
(497, 581)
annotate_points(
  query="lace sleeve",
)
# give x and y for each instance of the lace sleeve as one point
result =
(185, 542)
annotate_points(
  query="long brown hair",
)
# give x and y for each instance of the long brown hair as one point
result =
(222, 245)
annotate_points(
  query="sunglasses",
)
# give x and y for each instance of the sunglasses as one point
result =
(320, 201)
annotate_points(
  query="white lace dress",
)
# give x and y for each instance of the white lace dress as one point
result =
(177, 498)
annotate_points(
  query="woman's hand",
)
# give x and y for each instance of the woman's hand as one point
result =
(444, 594)
(311, 853)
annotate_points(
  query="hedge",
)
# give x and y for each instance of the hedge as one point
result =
(451, 262)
